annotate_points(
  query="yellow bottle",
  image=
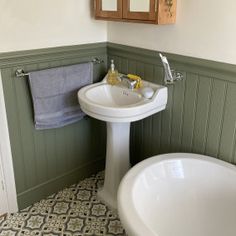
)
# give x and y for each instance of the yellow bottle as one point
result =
(112, 77)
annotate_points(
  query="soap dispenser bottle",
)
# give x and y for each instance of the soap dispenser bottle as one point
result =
(112, 77)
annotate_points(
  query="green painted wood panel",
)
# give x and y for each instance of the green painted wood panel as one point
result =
(202, 108)
(215, 117)
(227, 139)
(16, 144)
(189, 110)
(200, 116)
(47, 161)
(178, 115)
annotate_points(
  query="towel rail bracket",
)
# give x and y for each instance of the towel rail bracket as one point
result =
(20, 73)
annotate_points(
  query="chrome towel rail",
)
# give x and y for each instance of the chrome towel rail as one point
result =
(21, 73)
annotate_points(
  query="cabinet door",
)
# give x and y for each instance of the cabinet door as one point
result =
(139, 10)
(108, 9)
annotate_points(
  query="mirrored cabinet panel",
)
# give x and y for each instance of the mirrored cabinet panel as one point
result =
(145, 11)
(139, 6)
(109, 5)
(139, 10)
(108, 9)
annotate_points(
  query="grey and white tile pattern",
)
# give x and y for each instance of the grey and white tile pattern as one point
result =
(73, 211)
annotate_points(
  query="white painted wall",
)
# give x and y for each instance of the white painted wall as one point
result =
(204, 29)
(29, 24)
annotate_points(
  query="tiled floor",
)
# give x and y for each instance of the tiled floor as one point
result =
(74, 211)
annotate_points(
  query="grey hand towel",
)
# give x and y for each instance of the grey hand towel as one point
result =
(54, 94)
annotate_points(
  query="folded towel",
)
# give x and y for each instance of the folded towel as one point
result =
(54, 93)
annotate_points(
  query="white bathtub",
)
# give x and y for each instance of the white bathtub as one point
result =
(179, 194)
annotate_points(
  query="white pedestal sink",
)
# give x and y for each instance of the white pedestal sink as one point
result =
(118, 106)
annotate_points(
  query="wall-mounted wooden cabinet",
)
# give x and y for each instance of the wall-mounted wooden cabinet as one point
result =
(147, 11)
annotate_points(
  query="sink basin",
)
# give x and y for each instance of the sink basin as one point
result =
(118, 106)
(179, 194)
(112, 96)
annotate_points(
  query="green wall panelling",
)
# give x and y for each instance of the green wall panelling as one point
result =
(177, 119)
(47, 161)
(200, 116)
(215, 117)
(226, 149)
(202, 108)
(189, 111)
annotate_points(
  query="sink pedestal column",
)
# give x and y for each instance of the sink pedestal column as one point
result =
(117, 161)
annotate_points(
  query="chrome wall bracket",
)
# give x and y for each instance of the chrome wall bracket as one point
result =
(171, 75)
(176, 76)
(20, 73)
(97, 61)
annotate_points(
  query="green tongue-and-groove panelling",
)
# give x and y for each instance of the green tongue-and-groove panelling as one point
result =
(201, 112)
(200, 116)
(47, 161)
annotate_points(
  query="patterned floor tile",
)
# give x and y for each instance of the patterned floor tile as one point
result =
(74, 211)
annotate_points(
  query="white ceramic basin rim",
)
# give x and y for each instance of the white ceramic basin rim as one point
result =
(113, 96)
(120, 104)
(179, 194)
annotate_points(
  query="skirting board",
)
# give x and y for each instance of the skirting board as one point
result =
(41, 191)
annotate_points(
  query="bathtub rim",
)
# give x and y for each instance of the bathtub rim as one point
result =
(129, 218)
